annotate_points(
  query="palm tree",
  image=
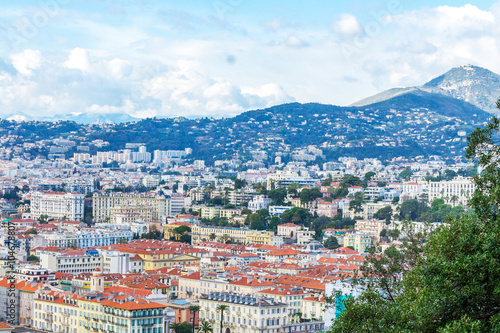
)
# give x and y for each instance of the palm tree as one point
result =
(212, 236)
(222, 308)
(194, 309)
(225, 238)
(205, 327)
(176, 327)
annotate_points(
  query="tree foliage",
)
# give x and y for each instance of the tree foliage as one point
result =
(448, 281)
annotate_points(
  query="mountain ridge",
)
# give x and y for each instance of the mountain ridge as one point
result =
(472, 84)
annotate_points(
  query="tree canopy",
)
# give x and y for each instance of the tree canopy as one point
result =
(445, 281)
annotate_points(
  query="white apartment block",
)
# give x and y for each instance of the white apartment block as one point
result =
(121, 263)
(70, 263)
(454, 192)
(259, 202)
(371, 227)
(246, 314)
(56, 205)
(103, 202)
(86, 238)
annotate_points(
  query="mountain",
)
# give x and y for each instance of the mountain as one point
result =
(471, 84)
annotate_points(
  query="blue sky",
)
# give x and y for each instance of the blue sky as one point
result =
(222, 57)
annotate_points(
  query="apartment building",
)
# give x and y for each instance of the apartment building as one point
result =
(313, 308)
(203, 233)
(103, 203)
(197, 284)
(246, 314)
(371, 228)
(292, 296)
(210, 212)
(34, 273)
(103, 312)
(56, 205)
(288, 230)
(261, 237)
(259, 202)
(360, 242)
(86, 238)
(55, 311)
(454, 192)
(129, 214)
(72, 262)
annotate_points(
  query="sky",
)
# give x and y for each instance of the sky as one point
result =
(219, 58)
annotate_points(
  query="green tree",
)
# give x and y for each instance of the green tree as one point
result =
(331, 243)
(239, 183)
(369, 175)
(222, 308)
(384, 213)
(357, 204)
(205, 327)
(292, 189)
(412, 209)
(405, 175)
(452, 281)
(278, 195)
(194, 309)
(33, 258)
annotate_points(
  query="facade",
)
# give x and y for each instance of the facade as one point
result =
(130, 214)
(288, 230)
(34, 273)
(260, 237)
(246, 314)
(101, 312)
(360, 242)
(203, 233)
(55, 311)
(292, 296)
(371, 228)
(103, 202)
(56, 205)
(71, 263)
(259, 202)
(454, 192)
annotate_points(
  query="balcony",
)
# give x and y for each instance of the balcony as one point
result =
(65, 314)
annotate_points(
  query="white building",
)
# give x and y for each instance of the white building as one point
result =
(454, 192)
(247, 314)
(259, 202)
(56, 205)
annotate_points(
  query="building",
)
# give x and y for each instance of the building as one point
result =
(34, 273)
(129, 214)
(260, 237)
(55, 311)
(313, 308)
(371, 228)
(210, 212)
(56, 205)
(360, 242)
(103, 203)
(454, 192)
(103, 312)
(292, 296)
(259, 202)
(288, 230)
(72, 262)
(204, 233)
(247, 314)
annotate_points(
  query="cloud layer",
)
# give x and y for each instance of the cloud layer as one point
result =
(174, 62)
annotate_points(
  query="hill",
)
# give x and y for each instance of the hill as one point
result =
(471, 84)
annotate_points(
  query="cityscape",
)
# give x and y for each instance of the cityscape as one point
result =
(147, 186)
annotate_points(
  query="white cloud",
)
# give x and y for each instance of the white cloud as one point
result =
(347, 25)
(78, 59)
(27, 61)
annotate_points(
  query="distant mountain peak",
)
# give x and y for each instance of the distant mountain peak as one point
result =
(468, 83)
